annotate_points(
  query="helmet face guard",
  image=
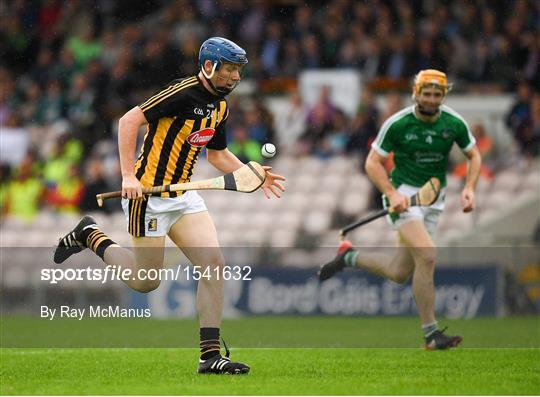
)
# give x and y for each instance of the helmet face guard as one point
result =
(219, 50)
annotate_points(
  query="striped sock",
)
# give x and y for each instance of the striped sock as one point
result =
(209, 344)
(429, 329)
(97, 241)
(350, 258)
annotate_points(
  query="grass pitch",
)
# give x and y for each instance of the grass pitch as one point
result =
(499, 356)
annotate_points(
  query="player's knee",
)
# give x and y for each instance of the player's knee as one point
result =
(213, 271)
(401, 277)
(216, 261)
(146, 286)
(427, 259)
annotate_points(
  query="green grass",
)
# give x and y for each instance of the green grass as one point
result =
(275, 371)
(264, 331)
(499, 356)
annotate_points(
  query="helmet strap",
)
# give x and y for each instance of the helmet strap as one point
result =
(208, 77)
(222, 92)
(209, 81)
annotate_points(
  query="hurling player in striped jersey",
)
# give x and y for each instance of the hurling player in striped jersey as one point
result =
(185, 117)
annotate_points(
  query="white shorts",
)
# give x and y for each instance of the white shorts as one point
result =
(430, 215)
(154, 216)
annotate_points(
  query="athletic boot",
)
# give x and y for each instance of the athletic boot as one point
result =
(337, 264)
(439, 341)
(222, 365)
(73, 242)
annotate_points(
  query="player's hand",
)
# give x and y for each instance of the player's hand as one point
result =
(467, 200)
(131, 187)
(398, 202)
(271, 184)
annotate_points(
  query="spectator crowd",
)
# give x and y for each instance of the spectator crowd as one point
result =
(69, 70)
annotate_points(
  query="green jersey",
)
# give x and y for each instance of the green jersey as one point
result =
(421, 149)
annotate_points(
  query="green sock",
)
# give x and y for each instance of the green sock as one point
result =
(350, 258)
(429, 329)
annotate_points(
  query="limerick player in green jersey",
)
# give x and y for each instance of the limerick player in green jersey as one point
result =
(420, 137)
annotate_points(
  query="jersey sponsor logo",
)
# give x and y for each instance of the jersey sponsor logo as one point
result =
(428, 157)
(201, 137)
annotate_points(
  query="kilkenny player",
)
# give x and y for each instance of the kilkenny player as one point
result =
(420, 136)
(185, 117)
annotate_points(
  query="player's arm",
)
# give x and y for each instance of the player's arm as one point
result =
(377, 173)
(473, 172)
(466, 141)
(216, 150)
(225, 161)
(381, 148)
(128, 127)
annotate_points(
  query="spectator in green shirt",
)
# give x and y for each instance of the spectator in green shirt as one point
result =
(245, 148)
(85, 47)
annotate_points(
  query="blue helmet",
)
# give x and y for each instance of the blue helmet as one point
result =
(219, 50)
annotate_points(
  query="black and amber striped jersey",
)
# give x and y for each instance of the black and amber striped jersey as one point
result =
(183, 118)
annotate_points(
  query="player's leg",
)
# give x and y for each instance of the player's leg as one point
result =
(421, 247)
(147, 223)
(148, 251)
(423, 251)
(397, 267)
(147, 254)
(196, 235)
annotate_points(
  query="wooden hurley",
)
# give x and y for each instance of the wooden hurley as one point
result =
(245, 179)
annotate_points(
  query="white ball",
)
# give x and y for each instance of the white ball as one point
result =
(268, 150)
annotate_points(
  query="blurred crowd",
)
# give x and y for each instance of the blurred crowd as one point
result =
(69, 70)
